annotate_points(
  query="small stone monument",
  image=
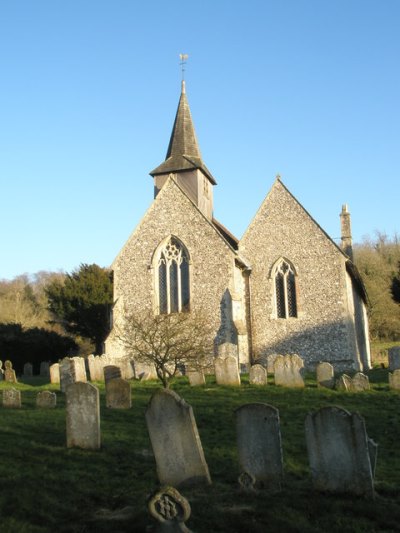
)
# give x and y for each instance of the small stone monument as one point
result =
(259, 446)
(28, 370)
(287, 371)
(67, 373)
(394, 380)
(118, 394)
(54, 373)
(44, 369)
(325, 375)
(80, 369)
(196, 378)
(170, 509)
(83, 416)
(111, 372)
(344, 383)
(175, 441)
(9, 373)
(12, 398)
(227, 371)
(257, 375)
(342, 458)
(359, 382)
(46, 400)
(394, 358)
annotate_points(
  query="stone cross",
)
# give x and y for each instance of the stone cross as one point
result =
(287, 371)
(175, 441)
(83, 416)
(170, 509)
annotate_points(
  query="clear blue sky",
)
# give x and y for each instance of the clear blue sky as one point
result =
(309, 89)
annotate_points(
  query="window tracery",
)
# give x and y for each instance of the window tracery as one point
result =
(173, 277)
(285, 290)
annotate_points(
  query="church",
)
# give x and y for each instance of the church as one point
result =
(284, 287)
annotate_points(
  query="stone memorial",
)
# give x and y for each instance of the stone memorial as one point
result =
(342, 458)
(344, 383)
(28, 370)
(170, 509)
(46, 400)
(359, 382)
(271, 358)
(175, 441)
(111, 372)
(394, 379)
(325, 375)
(12, 398)
(287, 371)
(83, 416)
(257, 375)
(259, 445)
(67, 373)
(9, 373)
(118, 394)
(227, 371)
(196, 377)
(44, 369)
(394, 358)
(80, 369)
(54, 373)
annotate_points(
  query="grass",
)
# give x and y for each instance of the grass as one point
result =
(45, 487)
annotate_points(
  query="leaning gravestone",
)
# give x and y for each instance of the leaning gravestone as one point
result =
(44, 369)
(83, 416)
(257, 375)
(394, 358)
(227, 371)
(9, 373)
(287, 371)
(67, 373)
(259, 445)
(175, 441)
(28, 370)
(170, 509)
(46, 400)
(341, 456)
(118, 394)
(325, 375)
(359, 382)
(111, 372)
(394, 380)
(196, 378)
(344, 383)
(54, 373)
(11, 398)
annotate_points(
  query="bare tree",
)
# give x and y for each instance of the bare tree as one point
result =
(167, 341)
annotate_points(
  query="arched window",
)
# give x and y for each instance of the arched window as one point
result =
(172, 274)
(285, 290)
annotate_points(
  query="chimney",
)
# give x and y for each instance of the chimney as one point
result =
(345, 224)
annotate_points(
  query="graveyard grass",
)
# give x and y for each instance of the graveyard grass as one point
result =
(46, 487)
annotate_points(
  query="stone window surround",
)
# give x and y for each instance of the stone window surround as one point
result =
(272, 276)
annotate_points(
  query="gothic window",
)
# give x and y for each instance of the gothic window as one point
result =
(285, 290)
(173, 277)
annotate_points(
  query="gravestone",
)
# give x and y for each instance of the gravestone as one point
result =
(342, 458)
(196, 378)
(325, 375)
(175, 441)
(259, 445)
(54, 373)
(170, 509)
(80, 369)
(394, 379)
(118, 394)
(111, 372)
(83, 416)
(125, 365)
(257, 375)
(344, 383)
(394, 358)
(46, 400)
(359, 382)
(271, 358)
(67, 373)
(28, 370)
(9, 373)
(12, 398)
(287, 371)
(44, 369)
(227, 371)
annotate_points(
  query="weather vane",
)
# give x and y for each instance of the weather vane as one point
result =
(183, 58)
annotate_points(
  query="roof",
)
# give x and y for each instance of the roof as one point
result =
(183, 150)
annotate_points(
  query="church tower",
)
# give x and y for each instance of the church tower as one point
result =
(184, 160)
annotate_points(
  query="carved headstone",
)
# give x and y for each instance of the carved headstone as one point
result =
(54, 373)
(44, 369)
(325, 375)
(83, 416)
(227, 371)
(196, 377)
(259, 444)
(80, 369)
(359, 382)
(170, 509)
(175, 440)
(9, 373)
(46, 400)
(343, 383)
(257, 375)
(394, 358)
(67, 373)
(341, 456)
(118, 394)
(394, 379)
(287, 371)
(11, 398)
(111, 372)
(28, 370)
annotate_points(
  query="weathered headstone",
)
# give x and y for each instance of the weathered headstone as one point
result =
(341, 456)
(287, 371)
(67, 373)
(111, 372)
(125, 364)
(118, 394)
(359, 382)
(259, 445)
(28, 370)
(270, 359)
(170, 509)
(394, 358)
(46, 400)
(11, 398)
(227, 371)
(80, 369)
(54, 373)
(9, 372)
(394, 379)
(325, 375)
(257, 375)
(175, 440)
(196, 377)
(83, 416)
(344, 383)
(44, 369)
